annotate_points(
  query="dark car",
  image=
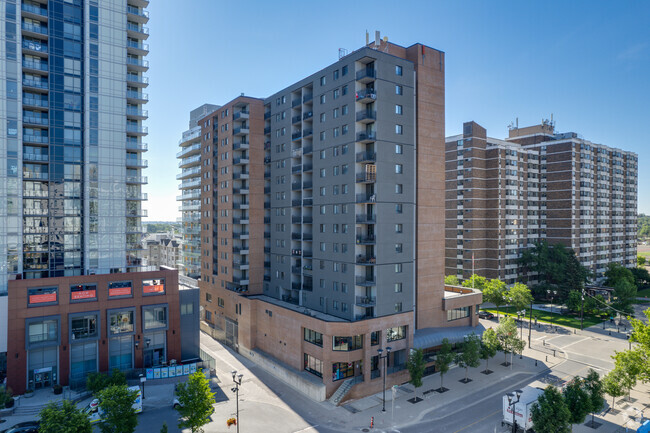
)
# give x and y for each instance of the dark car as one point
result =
(485, 315)
(24, 427)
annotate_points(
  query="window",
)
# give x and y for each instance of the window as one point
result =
(398, 109)
(396, 333)
(398, 268)
(322, 154)
(42, 295)
(398, 307)
(220, 302)
(322, 136)
(323, 190)
(313, 337)
(347, 344)
(344, 129)
(322, 117)
(208, 297)
(398, 248)
(344, 90)
(344, 70)
(399, 149)
(344, 169)
(457, 313)
(119, 288)
(335, 74)
(375, 338)
(344, 306)
(43, 331)
(323, 80)
(121, 322)
(335, 305)
(322, 98)
(398, 89)
(313, 365)
(398, 188)
(153, 287)
(344, 110)
(322, 246)
(398, 168)
(187, 309)
(398, 208)
(398, 70)
(323, 172)
(336, 93)
(83, 327)
(398, 129)
(398, 287)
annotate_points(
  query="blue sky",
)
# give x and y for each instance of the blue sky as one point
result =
(586, 62)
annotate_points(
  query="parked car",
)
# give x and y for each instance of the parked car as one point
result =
(24, 427)
(485, 315)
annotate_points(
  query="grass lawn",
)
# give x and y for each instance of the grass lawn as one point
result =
(554, 318)
(645, 254)
(645, 293)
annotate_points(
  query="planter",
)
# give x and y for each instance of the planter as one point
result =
(28, 394)
(58, 389)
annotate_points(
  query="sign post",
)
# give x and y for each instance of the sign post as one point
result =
(143, 379)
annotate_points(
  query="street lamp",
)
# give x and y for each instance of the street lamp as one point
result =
(236, 379)
(511, 403)
(385, 358)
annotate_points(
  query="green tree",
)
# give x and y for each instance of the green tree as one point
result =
(624, 296)
(643, 226)
(416, 365)
(550, 413)
(612, 384)
(495, 291)
(641, 335)
(616, 272)
(443, 359)
(164, 428)
(574, 301)
(509, 342)
(641, 277)
(196, 402)
(489, 347)
(452, 280)
(630, 365)
(65, 418)
(577, 400)
(519, 296)
(640, 261)
(95, 382)
(594, 387)
(469, 357)
(116, 403)
(595, 305)
(475, 281)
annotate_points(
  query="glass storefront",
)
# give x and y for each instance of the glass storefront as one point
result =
(155, 348)
(83, 361)
(120, 353)
(42, 367)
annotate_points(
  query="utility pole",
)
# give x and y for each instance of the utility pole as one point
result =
(530, 323)
(582, 308)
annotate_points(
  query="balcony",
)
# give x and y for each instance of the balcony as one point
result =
(36, 84)
(137, 47)
(366, 240)
(136, 14)
(366, 137)
(136, 129)
(35, 102)
(308, 115)
(240, 160)
(366, 157)
(241, 205)
(35, 65)
(296, 135)
(309, 201)
(36, 46)
(138, 64)
(141, 180)
(189, 151)
(366, 177)
(189, 161)
(267, 235)
(137, 97)
(136, 31)
(34, 28)
(38, 139)
(241, 145)
(295, 103)
(295, 202)
(36, 157)
(136, 196)
(242, 190)
(296, 119)
(189, 196)
(307, 220)
(137, 112)
(35, 120)
(366, 198)
(296, 236)
(366, 219)
(240, 250)
(366, 95)
(366, 260)
(267, 130)
(307, 98)
(240, 235)
(289, 299)
(295, 270)
(308, 184)
(366, 116)
(296, 168)
(365, 301)
(307, 133)
(267, 115)
(34, 10)
(35, 175)
(307, 150)
(295, 186)
(267, 174)
(241, 175)
(366, 75)
(136, 162)
(307, 167)
(190, 184)
(307, 237)
(189, 172)
(136, 213)
(365, 281)
(241, 130)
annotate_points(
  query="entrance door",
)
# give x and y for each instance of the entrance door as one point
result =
(232, 332)
(42, 378)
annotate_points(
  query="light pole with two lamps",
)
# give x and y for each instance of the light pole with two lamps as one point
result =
(385, 358)
(236, 378)
(511, 403)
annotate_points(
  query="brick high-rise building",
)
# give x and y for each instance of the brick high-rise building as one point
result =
(504, 195)
(323, 219)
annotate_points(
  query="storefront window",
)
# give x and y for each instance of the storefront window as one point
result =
(313, 337)
(121, 322)
(42, 295)
(457, 313)
(83, 327)
(83, 292)
(375, 338)
(346, 344)
(119, 288)
(396, 333)
(120, 353)
(155, 317)
(342, 370)
(313, 365)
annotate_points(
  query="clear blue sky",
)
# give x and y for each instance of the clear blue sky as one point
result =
(587, 62)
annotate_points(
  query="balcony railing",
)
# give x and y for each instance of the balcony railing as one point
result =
(366, 301)
(31, 64)
(243, 114)
(34, 120)
(37, 46)
(137, 95)
(365, 281)
(34, 9)
(366, 219)
(366, 116)
(366, 137)
(366, 95)
(139, 12)
(41, 139)
(35, 102)
(34, 28)
(137, 45)
(366, 259)
(366, 73)
(366, 177)
(366, 156)
(39, 84)
(137, 129)
(137, 62)
(36, 157)
(138, 29)
(366, 240)
(135, 111)
(366, 198)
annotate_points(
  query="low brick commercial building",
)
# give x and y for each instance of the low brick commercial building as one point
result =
(61, 329)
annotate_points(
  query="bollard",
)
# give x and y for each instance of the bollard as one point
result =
(574, 331)
(535, 363)
(610, 332)
(546, 358)
(553, 353)
(372, 422)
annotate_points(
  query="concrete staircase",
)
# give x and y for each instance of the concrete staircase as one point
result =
(342, 391)
(31, 410)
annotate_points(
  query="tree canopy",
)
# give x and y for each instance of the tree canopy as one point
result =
(452, 280)
(443, 359)
(469, 355)
(415, 365)
(65, 418)
(550, 413)
(616, 273)
(116, 403)
(577, 400)
(519, 296)
(495, 291)
(489, 346)
(624, 296)
(196, 400)
(594, 387)
(475, 282)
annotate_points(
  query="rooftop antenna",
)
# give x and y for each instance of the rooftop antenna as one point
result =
(342, 53)
(377, 39)
(517, 119)
(367, 37)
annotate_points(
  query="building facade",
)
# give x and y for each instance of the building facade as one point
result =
(190, 176)
(64, 328)
(322, 215)
(72, 143)
(505, 195)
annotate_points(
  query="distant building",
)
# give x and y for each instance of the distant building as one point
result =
(162, 251)
(505, 195)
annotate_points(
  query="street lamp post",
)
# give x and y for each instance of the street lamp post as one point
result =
(385, 358)
(530, 323)
(512, 402)
(236, 378)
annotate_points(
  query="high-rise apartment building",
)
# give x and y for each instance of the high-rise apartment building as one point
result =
(190, 198)
(323, 218)
(505, 195)
(72, 143)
